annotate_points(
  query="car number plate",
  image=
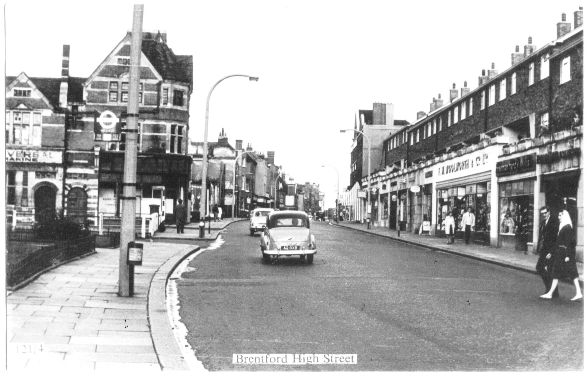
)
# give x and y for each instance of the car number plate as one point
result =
(290, 247)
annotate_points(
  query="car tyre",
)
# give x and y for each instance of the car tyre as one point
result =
(251, 232)
(266, 258)
(309, 259)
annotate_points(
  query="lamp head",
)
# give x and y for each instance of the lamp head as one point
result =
(253, 78)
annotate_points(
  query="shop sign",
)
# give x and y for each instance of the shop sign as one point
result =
(415, 189)
(515, 166)
(426, 226)
(393, 198)
(429, 174)
(558, 155)
(107, 120)
(470, 164)
(361, 194)
(33, 156)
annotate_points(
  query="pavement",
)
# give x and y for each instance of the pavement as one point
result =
(499, 256)
(71, 318)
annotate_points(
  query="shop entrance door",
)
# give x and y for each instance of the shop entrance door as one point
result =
(393, 208)
(77, 205)
(561, 192)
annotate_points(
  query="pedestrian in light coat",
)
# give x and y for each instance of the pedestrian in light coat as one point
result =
(467, 222)
(449, 227)
(564, 263)
(547, 242)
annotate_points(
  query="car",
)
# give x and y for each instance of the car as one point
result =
(258, 219)
(288, 234)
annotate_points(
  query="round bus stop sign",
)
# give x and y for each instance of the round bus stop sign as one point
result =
(107, 120)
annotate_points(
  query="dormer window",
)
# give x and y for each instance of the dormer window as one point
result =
(124, 61)
(178, 99)
(22, 92)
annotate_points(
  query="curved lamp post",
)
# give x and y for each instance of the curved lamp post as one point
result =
(203, 191)
(337, 196)
(369, 195)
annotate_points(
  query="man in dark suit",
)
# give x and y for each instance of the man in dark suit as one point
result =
(548, 230)
(180, 216)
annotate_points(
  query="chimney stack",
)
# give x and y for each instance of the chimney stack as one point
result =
(64, 85)
(492, 72)
(483, 78)
(578, 18)
(529, 47)
(238, 144)
(465, 89)
(432, 105)
(453, 93)
(438, 102)
(270, 157)
(563, 27)
(516, 56)
(422, 114)
(249, 148)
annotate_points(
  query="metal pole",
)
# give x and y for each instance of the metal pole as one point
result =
(205, 145)
(127, 232)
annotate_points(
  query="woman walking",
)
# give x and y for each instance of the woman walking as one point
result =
(564, 263)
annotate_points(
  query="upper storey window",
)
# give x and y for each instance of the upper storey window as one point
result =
(565, 71)
(178, 98)
(544, 66)
(531, 74)
(22, 92)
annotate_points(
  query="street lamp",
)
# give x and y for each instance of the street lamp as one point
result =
(203, 193)
(337, 196)
(369, 195)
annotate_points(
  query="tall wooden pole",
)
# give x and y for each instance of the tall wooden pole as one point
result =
(127, 231)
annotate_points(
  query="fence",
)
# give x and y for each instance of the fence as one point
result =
(45, 257)
(145, 226)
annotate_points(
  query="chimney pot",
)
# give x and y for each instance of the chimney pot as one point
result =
(483, 72)
(439, 95)
(465, 84)
(492, 65)
(563, 17)
(530, 40)
(517, 48)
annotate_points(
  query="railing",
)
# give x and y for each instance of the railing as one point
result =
(145, 226)
(46, 256)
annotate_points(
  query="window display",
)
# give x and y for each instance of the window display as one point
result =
(516, 209)
(459, 199)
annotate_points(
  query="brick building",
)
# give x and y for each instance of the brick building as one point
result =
(505, 148)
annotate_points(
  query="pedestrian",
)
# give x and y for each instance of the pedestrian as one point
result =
(449, 227)
(220, 213)
(546, 246)
(215, 211)
(180, 210)
(564, 263)
(467, 222)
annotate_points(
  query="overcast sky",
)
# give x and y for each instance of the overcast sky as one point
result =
(319, 62)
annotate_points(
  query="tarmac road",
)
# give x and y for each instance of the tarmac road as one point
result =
(398, 307)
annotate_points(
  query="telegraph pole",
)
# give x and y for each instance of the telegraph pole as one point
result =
(127, 231)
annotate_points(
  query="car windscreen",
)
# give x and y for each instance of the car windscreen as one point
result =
(287, 221)
(262, 213)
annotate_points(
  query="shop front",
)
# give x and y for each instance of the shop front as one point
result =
(516, 195)
(464, 182)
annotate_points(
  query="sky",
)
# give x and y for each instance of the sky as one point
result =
(318, 62)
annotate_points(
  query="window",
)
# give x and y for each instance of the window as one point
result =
(113, 96)
(153, 138)
(124, 61)
(544, 123)
(124, 86)
(544, 66)
(429, 130)
(37, 118)
(124, 96)
(22, 92)
(418, 136)
(456, 114)
(17, 117)
(491, 95)
(462, 114)
(502, 91)
(411, 138)
(11, 187)
(24, 200)
(178, 98)
(471, 107)
(513, 83)
(564, 70)
(165, 96)
(531, 74)
(113, 85)
(483, 100)
(449, 123)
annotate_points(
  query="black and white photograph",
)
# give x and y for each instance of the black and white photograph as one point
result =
(293, 186)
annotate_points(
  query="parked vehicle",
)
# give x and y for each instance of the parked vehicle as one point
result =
(258, 219)
(288, 234)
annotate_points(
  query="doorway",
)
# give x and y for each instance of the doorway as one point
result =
(45, 203)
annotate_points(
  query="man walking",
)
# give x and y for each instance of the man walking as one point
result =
(180, 216)
(468, 221)
(548, 230)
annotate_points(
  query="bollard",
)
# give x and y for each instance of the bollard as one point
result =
(201, 228)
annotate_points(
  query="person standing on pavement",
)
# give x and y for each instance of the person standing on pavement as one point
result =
(547, 241)
(220, 213)
(467, 222)
(450, 227)
(180, 210)
(564, 263)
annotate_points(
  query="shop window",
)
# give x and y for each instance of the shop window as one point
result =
(565, 71)
(458, 199)
(11, 187)
(516, 209)
(24, 200)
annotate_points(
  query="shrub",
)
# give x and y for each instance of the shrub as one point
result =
(60, 229)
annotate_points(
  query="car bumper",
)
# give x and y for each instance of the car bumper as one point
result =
(289, 252)
(257, 228)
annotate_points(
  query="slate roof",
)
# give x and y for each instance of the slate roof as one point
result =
(50, 88)
(169, 65)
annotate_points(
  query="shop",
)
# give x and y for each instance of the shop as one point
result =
(463, 182)
(516, 202)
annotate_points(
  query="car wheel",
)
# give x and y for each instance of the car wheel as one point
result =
(310, 258)
(302, 257)
(266, 258)
(251, 232)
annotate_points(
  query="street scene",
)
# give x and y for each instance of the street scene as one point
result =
(310, 186)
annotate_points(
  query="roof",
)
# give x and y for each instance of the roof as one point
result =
(50, 88)
(169, 65)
